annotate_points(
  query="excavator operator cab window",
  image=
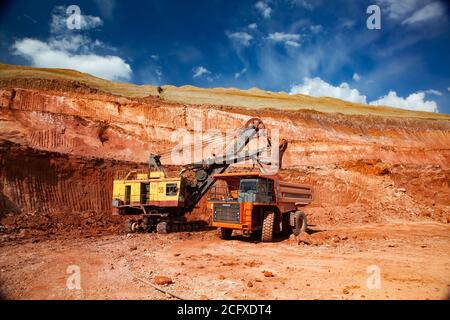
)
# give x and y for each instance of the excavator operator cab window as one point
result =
(171, 189)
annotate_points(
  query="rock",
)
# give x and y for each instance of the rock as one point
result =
(304, 238)
(221, 277)
(249, 284)
(345, 291)
(203, 297)
(344, 238)
(162, 280)
(24, 233)
(176, 254)
(133, 248)
(253, 263)
(268, 274)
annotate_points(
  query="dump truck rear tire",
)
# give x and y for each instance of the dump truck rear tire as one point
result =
(225, 233)
(301, 223)
(267, 228)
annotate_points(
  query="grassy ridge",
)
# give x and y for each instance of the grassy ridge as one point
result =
(252, 98)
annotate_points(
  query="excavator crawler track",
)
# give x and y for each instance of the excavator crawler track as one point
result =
(163, 227)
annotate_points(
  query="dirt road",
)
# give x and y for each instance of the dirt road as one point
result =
(412, 258)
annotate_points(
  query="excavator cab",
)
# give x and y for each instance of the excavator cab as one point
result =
(148, 191)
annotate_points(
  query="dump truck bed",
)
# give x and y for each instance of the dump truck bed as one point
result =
(288, 194)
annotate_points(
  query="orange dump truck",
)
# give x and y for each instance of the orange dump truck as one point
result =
(258, 203)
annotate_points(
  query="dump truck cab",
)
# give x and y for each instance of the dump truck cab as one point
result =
(257, 203)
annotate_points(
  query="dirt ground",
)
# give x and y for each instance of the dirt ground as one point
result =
(412, 260)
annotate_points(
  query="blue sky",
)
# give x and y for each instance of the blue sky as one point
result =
(320, 48)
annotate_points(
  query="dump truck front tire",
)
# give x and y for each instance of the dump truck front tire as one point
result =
(267, 228)
(225, 233)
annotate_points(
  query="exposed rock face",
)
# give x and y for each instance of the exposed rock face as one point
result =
(101, 125)
(63, 141)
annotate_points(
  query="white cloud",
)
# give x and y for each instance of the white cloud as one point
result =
(252, 26)
(240, 73)
(76, 43)
(159, 73)
(356, 77)
(397, 10)
(430, 12)
(287, 38)
(347, 23)
(448, 89)
(304, 4)
(318, 88)
(200, 71)
(412, 11)
(434, 92)
(242, 38)
(72, 49)
(264, 9)
(316, 28)
(292, 43)
(42, 54)
(415, 101)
